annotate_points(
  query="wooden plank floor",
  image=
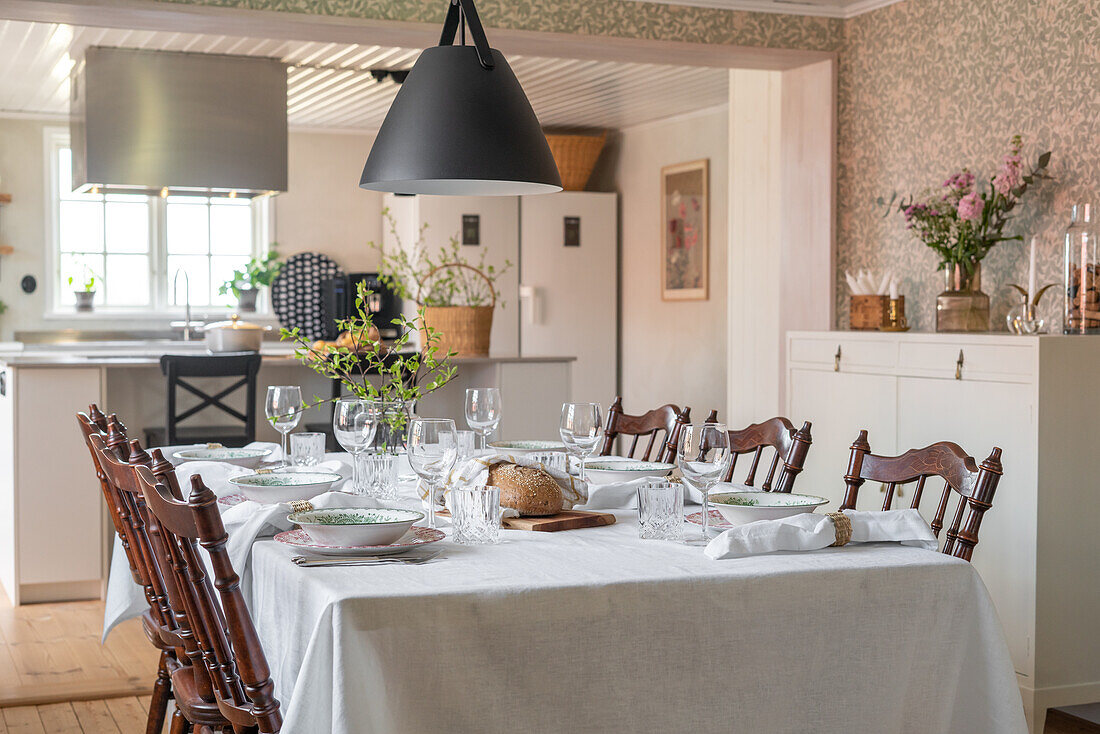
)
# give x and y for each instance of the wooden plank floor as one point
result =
(124, 715)
(50, 653)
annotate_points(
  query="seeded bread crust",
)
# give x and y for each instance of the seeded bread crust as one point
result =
(527, 489)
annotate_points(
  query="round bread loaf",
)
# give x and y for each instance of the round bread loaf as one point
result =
(527, 489)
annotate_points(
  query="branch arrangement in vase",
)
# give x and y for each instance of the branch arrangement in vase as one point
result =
(962, 222)
(405, 377)
(449, 279)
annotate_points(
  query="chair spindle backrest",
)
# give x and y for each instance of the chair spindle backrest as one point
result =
(661, 426)
(974, 484)
(229, 648)
(788, 448)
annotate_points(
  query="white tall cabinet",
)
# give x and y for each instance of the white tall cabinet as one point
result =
(1037, 399)
(568, 286)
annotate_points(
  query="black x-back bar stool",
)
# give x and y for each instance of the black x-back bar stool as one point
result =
(176, 367)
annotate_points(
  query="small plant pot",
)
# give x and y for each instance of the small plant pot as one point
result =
(85, 300)
(246, 301)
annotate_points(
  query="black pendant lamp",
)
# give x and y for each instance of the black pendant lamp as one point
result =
(461, 124)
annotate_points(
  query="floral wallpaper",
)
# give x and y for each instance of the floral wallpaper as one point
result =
(927, 87)
(624, 18)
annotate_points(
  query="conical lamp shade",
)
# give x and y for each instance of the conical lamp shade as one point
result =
(458, 128)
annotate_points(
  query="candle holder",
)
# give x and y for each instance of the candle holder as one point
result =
(1023, 318)
(895, 316)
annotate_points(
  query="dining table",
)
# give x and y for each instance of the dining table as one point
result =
(597, 630)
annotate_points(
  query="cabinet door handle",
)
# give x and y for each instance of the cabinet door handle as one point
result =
(836, 359)
(959, 366)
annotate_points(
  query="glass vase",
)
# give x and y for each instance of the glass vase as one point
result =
(962, 307)
(1081, 278)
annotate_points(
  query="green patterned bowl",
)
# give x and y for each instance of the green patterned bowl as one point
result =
(614, 469)
(355, 526)
(739, 508)
(248, 458)
(276, 487)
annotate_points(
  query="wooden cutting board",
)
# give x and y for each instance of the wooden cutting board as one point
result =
(564, 520)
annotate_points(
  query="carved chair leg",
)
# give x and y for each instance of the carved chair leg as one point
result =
(162, 691)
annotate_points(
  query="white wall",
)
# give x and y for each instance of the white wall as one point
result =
(323, 211)
(672, 351)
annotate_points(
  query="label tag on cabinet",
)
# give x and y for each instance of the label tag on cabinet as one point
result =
(572, 231)
(471, 229)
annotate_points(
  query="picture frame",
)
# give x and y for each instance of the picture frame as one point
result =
(685, 231)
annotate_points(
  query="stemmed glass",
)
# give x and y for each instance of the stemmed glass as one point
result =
(483, 408)
(580, 430)
(432, 453)
(284, 409)
(703, 455)
(354, 422)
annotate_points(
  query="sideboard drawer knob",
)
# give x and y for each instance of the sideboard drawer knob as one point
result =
(959, 366)
(836, 359)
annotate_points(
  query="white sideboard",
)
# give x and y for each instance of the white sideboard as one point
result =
(1035, 397)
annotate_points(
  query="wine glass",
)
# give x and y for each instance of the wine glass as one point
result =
(354, 422)
(703, 455)
(580, 430)
(483, 408)
(432, 453)
(284, 409)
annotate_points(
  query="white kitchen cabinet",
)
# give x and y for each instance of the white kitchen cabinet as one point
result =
(52, 523)
(1035, 398)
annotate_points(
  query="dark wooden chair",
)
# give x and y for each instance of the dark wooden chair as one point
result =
(202, 668)
(789, 448)
(662, 423)
(135, 543)
(176, 367)
(234, 671)
(974, 485)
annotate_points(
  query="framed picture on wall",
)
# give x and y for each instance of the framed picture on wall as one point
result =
(685, 236)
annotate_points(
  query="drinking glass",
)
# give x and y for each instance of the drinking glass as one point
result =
(475, 512)
(381, 475)
(432, 455)
(551, 460)
(283, 408)
(355, 421)
(580, 430)
(703, 455)
(465, 442)
(661, 510)
(483, 408)
(307, 449)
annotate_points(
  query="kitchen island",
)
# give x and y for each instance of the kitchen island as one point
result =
(54, 529)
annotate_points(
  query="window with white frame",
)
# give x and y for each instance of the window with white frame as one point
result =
(143, 252)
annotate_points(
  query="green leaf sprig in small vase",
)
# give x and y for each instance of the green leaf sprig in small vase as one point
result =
(246, 282)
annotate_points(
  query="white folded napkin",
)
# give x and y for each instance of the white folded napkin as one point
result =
(810, 531)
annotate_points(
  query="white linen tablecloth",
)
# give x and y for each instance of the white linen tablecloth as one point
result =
(597, 631)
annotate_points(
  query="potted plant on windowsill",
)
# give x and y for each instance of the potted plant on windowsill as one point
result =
(85, 293)
(457, 296)
(246, 282)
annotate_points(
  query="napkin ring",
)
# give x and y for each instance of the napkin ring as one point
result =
(842, 524)
(214, 445)
(301, 506)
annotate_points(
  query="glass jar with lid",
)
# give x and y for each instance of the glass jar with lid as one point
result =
(1082, 274)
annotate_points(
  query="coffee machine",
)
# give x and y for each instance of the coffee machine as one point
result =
(338, 297)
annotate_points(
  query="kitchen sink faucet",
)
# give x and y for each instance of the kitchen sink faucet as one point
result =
(186, 301)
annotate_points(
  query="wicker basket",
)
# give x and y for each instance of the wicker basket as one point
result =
(576, 157)
(462, 329)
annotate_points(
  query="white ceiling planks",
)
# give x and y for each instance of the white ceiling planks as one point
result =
(329, 85)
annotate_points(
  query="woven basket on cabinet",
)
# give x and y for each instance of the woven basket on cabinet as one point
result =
(576, 157)
(462, 329)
